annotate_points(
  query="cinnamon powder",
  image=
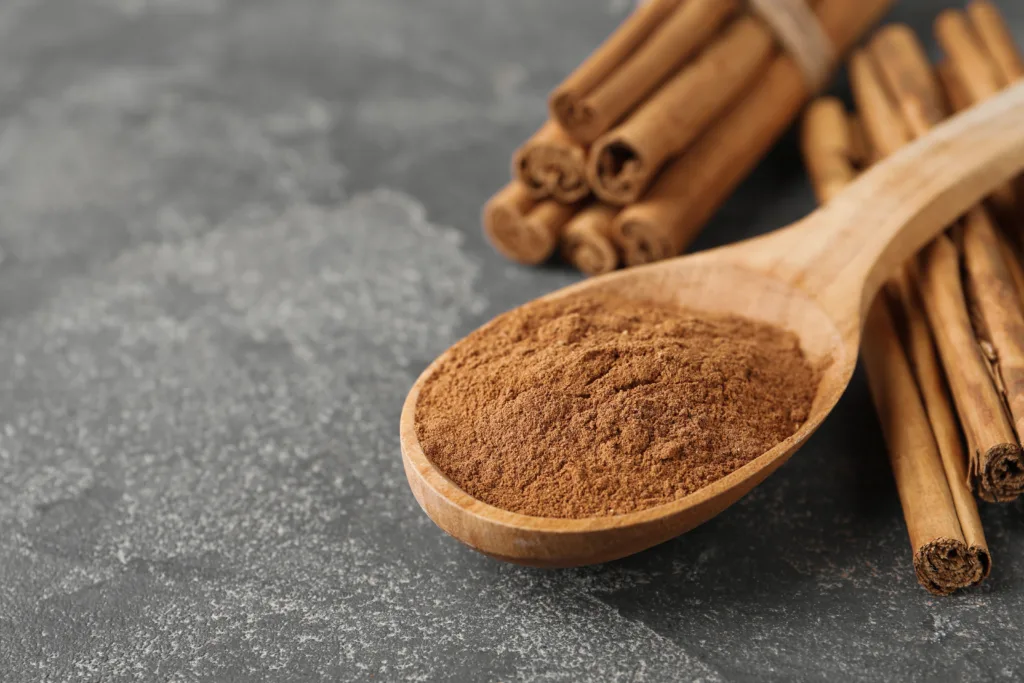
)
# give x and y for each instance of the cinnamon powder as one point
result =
(601, 405)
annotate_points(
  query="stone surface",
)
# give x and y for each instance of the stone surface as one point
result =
(232, 232)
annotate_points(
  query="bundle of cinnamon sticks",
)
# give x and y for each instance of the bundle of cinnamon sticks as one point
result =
(944, 343)
(651, 134)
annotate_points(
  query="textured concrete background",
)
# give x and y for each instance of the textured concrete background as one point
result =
(232, 234)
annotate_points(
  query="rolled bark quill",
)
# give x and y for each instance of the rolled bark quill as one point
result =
(903, 62)
(944, 561)
(692, 187)
(995, 295)
(896, 96)
(630, 35)
(829, 148)
(959, 100)
(991, 264)
(645, 50)
(586, 240)
(947, 555)
(908, 78)
(1013, 263)
(945, 427)
(980, 79)
(1007, 64)
(956, 96)
(689, 190)
(967, 57)
(551, 164)
(522, 229)
(624, 161)
(996, 39)
(884, 127)
(995, 463)
(947, 541)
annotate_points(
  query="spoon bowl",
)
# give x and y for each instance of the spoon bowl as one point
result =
(814, 278)
(556, 542)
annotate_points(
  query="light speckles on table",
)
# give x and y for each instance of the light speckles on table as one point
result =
(231, 234)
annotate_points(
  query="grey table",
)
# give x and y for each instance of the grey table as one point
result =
(232, 234)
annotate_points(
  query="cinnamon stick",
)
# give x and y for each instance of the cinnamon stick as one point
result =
(827, 141)
(995, 463)
(586, 241)
(908, 72)
(522, 229)
(1012, 258)
(958, 101)
(1008, 64)
(956, 96)
(552, 164)
(994, 274)
(883, 126)
(966, 55)
(860, 151)
(586, 114)
(949, 549)
(624, 161)
(692, 187)
(980, 79)
(908, 76)
(676, 207)
(943, 560)
(565, 101)
(995, 294)
(905, 85)
(995, 38)
(945, 427)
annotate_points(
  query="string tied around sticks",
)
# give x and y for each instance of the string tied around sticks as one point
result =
(801, 35)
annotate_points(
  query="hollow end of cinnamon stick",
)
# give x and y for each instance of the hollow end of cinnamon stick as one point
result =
(640, 240)
(668, 45)
(567, 102)
(509, 230)
(587, 243)
(984, 560)
(946, 565)
(617, 171)
(591, 256)
(551, 164)
(999, 476)
(574, 113)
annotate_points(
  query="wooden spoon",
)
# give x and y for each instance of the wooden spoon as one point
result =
(815, 277)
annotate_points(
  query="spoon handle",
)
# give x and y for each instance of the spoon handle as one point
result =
(845, 250)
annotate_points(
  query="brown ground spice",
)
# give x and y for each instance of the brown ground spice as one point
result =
(592, 406)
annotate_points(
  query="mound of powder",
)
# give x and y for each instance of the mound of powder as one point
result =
(601, 405)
